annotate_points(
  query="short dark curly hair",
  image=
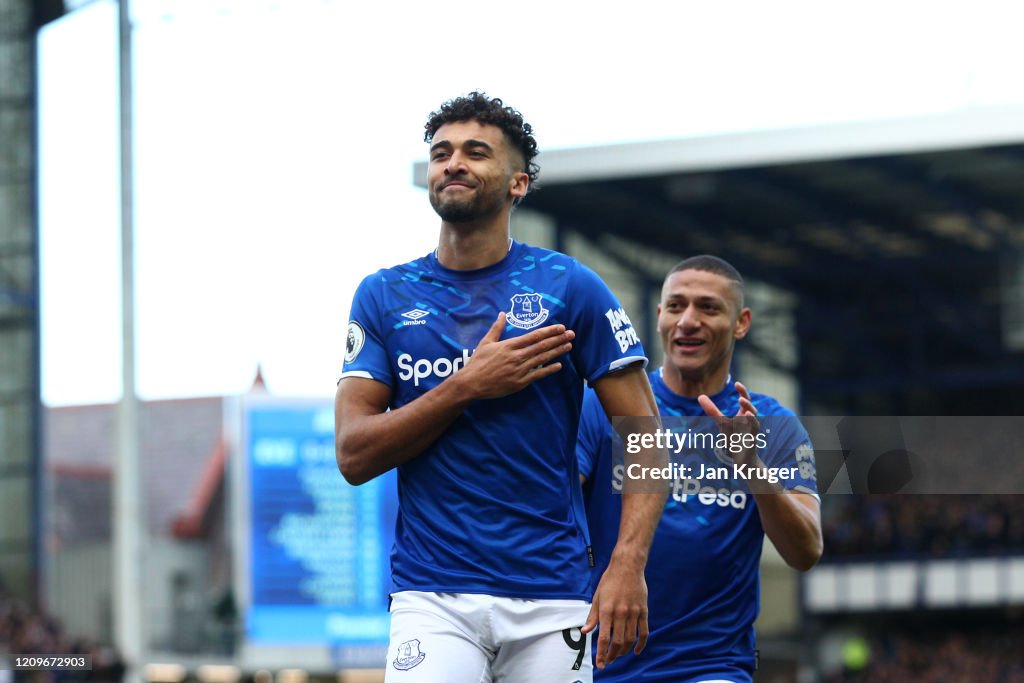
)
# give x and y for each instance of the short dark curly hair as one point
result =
(477, 106)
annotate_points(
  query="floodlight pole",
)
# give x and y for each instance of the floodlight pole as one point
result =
(128, 522)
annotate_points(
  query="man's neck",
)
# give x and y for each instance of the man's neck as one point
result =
(471, 247)
(693, 386)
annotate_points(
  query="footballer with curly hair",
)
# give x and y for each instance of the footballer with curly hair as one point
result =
(465, 370)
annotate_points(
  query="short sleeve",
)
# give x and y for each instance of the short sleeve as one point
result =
(605, 338)
(365, 353)
(790, 447)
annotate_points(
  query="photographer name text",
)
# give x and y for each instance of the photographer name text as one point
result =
(675, 471)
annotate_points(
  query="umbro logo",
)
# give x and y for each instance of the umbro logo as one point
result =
(415, 317)
(415, 314)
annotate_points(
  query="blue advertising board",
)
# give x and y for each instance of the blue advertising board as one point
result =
(318, 569)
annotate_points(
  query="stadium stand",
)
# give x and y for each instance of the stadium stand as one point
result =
(929, 584)
(936, 656)
(926, 526)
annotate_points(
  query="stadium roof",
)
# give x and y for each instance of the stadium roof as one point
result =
(901, 238)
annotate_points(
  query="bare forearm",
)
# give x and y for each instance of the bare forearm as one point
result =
(370, 445)
(629, 403)
(792, 522)
(640, 515)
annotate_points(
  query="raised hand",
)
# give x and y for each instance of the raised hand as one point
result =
(744, 422)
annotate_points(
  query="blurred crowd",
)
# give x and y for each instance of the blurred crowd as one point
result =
(921, 526)
(24, 631)
(893, 527)
(973, 657)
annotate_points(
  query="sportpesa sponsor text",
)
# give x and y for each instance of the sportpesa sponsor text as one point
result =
(423, 368)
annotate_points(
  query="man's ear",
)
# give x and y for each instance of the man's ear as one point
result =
(742, 324)
(518, 185)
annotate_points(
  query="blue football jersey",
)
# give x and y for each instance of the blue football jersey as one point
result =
(702, 572)
(494, 506)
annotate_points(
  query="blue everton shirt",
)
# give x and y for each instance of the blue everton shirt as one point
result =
(494, 506)
(702, 572)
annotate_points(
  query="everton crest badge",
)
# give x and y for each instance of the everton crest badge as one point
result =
(527, 311)
(409, 655)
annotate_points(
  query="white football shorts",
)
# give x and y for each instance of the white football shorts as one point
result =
(471, 638)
